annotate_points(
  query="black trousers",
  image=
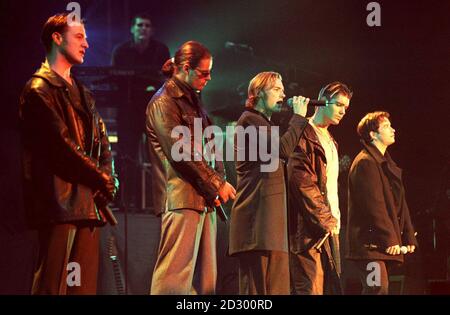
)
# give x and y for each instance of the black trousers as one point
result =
(373, 283)
(62, 247)
(311, 270)
(264, 273)
(129, 165)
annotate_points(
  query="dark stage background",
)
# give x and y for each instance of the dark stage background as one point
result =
(401, 67)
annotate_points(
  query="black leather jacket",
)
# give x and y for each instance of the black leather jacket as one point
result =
(178, 184)
(62, 160)
(309, 211)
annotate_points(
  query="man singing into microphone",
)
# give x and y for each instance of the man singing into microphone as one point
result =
(378, 217)
(258, 227)
(313, 171)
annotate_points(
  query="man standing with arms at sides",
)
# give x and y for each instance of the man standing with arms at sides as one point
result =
(185, 190)
(258, 227)
(378, 220)
(68, 169)
(313, 198)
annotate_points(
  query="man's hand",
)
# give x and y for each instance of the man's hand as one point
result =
(100, 200)
(410, 248)
(393, 250)
(335, 231)
(110, 185)
(226, 192)
(300, 105)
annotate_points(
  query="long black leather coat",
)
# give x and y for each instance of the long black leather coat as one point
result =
(309, 211)
(62, 161)
(181, 184)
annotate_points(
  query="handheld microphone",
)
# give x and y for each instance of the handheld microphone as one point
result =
(106, 211)
(290, 102)
(318, 245)
(238, 46)
(403, 249)
(221, 212)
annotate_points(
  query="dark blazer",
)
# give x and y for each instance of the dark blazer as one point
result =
(378, 213)
(62, 158)
(186, 184)
(259, 215)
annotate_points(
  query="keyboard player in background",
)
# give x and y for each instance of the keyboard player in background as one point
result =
(143, 57)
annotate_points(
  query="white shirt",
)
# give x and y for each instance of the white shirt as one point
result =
(332, 171)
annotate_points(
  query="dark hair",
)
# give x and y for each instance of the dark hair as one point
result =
(190, 53)
(56, 23)
(370, 122)
(142, 15)
(260, 82)
(335, 88)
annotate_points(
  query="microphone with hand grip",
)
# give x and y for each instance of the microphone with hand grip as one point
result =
(290, 102)
(403, 249)
(221, 211)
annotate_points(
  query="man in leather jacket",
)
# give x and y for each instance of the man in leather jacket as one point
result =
(68, 169)
(185, 189)
(313, 170)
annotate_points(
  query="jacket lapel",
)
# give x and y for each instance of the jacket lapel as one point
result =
(311, 136)
(386, 159)
(392, 167)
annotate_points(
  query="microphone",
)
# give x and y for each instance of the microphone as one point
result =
(231, 45)
(403, 249)
(221, 212)
(290, 102)
(318, 245)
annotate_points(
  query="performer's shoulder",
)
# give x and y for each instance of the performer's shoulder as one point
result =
(364, 159)
(37, 85)
(250, 118)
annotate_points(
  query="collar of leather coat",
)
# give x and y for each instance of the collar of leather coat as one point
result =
(177, 89)
(310, 134)
(50, 76)
(46, 73)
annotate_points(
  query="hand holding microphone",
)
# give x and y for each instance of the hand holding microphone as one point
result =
(299, 105)
(393, 250)
(220, 210)
(226, 192)
(109, 185)
(290, 102)
(102, 203)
